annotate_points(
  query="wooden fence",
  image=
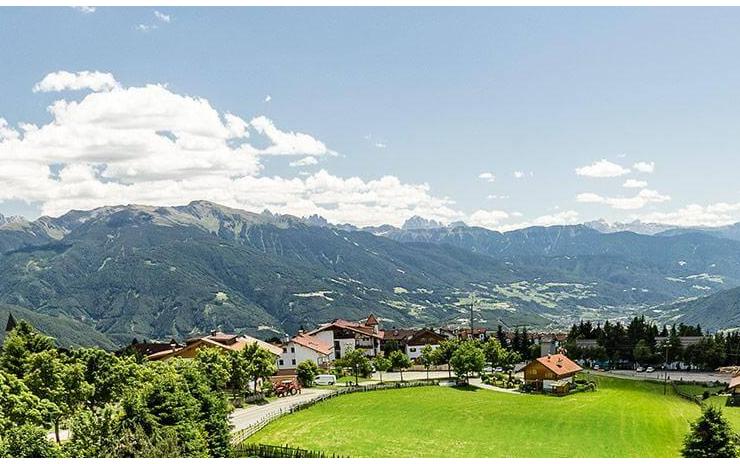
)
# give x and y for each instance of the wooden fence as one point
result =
(685, 395)
(258, 450)
(240, 436)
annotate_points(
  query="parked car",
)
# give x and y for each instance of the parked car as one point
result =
(639, 369)
(499, 369)
(650, 369)
(325, 379)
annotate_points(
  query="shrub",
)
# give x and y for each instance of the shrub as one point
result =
(306, 372)
(267, 388)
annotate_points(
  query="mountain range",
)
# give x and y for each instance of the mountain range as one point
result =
(105, 276)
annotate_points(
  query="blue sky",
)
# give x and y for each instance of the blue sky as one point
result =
(402, 111)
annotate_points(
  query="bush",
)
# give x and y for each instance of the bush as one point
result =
(705, 395)
(267, 388)
(306, 372)
(28, 441)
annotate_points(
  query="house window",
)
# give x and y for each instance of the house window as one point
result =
(281, 362)
(293, 362)
(292, 349)
(285, 350)
(413, 350)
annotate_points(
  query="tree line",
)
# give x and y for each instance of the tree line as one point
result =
(636, 343)
(118, 406)
(465, 357)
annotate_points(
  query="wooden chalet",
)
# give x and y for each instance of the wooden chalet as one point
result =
(552, 373)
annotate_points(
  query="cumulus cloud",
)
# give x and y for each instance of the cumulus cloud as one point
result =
(307, 161)
(638, 201)
(634, 183)
(63, 80)
(149, 145)
(713, 215)
(287, 143)
(560, 218)
(518, 174)
(268, 99)
(644, 166)
(488, 219)
(487, 176)
(602, 168)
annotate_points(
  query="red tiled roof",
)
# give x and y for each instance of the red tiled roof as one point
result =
(559, 364)
(313, 343)
(342, 324)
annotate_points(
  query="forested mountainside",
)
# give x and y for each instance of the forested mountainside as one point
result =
(159, 272)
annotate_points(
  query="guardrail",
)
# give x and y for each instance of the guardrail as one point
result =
(240, 436)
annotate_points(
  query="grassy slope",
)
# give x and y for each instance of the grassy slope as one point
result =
(732, 413)
(623, 419)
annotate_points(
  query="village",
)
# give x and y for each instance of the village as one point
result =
(551, 370)
(541, 362)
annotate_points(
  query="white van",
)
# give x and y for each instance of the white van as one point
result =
(325, 379)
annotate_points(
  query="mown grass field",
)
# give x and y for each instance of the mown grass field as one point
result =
(624, 418)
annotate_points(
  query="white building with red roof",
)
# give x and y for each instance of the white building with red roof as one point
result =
(304, 347)
(344, 336)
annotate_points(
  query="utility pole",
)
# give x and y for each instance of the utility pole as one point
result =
(665, 368)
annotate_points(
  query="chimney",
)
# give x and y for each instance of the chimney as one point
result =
(213, 333)
(301, 332)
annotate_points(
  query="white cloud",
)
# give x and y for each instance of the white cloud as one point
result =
(644, 166)
(287, 143)
(488, 219)
(518, 174)
(268, 99)
(85, 9)
(561, 218)
(497, 197)
(307, 161)
(145, 27)
(487, 176)
(713, 215)
(63, 80)
(634, 183)
(165, 18)
(638, 201)
(380, 145)
(602, 168)
(149, 145)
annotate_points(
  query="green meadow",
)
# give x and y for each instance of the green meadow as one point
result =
(623, 418)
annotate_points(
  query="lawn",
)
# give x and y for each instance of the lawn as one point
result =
(624, 418)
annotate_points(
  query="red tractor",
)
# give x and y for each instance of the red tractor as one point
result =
(287, 387)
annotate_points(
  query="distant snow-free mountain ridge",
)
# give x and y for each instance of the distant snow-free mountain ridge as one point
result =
(158, 272)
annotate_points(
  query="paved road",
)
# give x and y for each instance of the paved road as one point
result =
(411, 375)
(244, 417)
(692, 376)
